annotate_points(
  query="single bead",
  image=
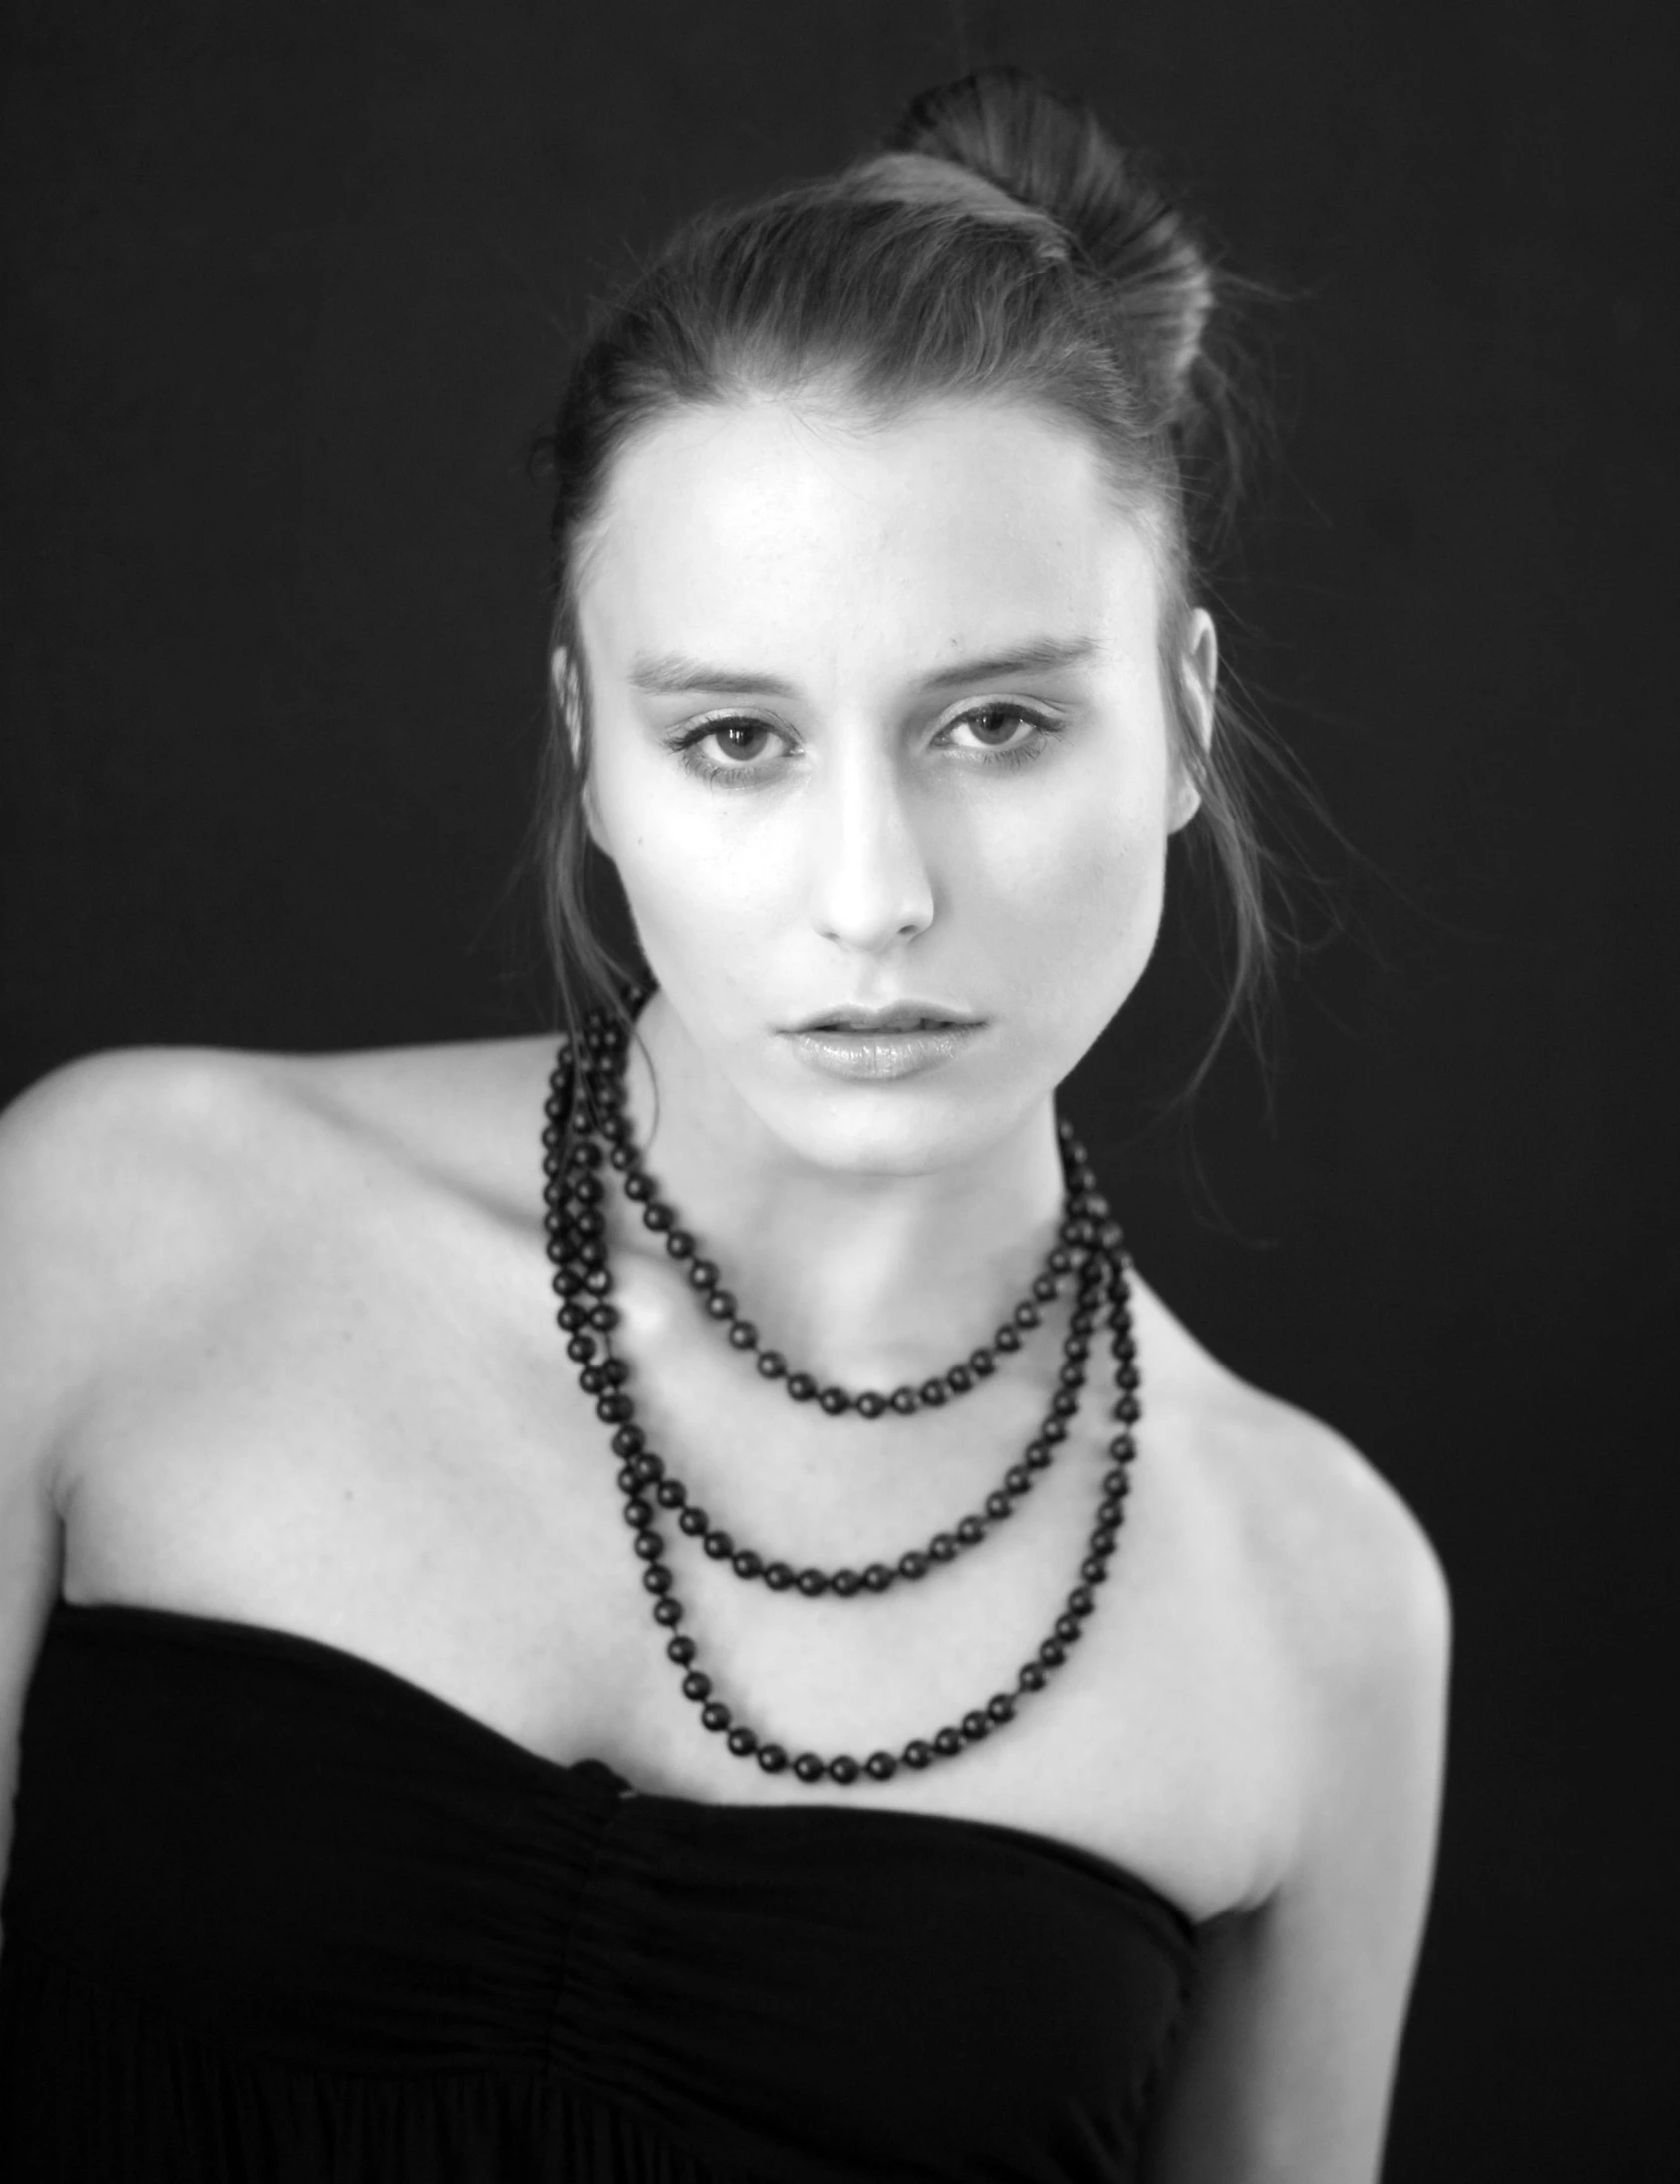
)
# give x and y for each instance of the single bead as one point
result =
(870, 1405)
(746, 1563)
(948, 1743)
(1126, 1377)
(975, 1726)
(912, 1565)
(604, 1316)
(801, 1386)
(656, 1579)
(678, 1244)
(671, 1493)
(942, 1547)
(647, 1468)
(771, 1758)
(649, 1547)
(719, 1546)
(703, 1274)
(627, 1479)
(613, 1410)
(918, 1753)
(742, 1742)
(629, 1440)
(905, 1401)
(932, 1392)
(1027, 1316)
(1111, 1512)
(1053, 1430)
(1044, 1288)
(983, 1363)
(573, 1317)
(1071, 1376)
(1052, 1653)
(1081, 1601)
(680, 1650)
(592, 1381)
(878, 1577)
(833, 1402)
(637, 1187)
(811, 1583)
(1059, 1262)
(1039, 1456)
(581, 1349)
(772, 1363)
(638, 1515)
(715, 1715)
(881, 1767)
(742, 1335)
(843, 1768)
(696, 1685)
(1093, 1570)
(999, 1505)
(1128, 1410)
(694, 1521)
(1018, 1479)
(808, 1766)
(845, 1583)
(666, 1610)
(1069, 1629)
(971, 1531)
(958, 1380)
(1116, 1483)
(656, 1217)
(778, 1576)
(1103, 1539)
(1007, 1338)
(1033, 1677)
(721, 1304)
(1064, 1404)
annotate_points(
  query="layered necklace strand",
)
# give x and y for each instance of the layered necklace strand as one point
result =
(585, 1122)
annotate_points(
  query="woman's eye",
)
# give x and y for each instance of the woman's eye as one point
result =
(720, 746)
(997, 727)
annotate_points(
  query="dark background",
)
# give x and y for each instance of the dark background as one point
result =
(288, 290)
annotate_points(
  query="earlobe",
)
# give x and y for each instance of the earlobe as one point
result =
(1198, 670)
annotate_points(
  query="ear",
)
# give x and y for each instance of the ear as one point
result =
(568, 695)
(1197, 671)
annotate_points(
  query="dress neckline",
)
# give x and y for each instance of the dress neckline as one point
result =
(343, 1661)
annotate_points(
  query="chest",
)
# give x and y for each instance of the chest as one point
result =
(408, 1470)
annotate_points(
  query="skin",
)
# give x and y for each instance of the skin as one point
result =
(279, 1342)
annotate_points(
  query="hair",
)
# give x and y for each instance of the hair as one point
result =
(998, 246)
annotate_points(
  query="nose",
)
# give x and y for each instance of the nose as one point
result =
(872, 886)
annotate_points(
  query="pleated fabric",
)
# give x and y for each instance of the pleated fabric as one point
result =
(276, 1914)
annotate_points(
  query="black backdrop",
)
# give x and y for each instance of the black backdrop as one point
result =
(288, 287)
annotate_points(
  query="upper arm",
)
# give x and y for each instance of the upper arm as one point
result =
(99, 1217)
(1289, 2057)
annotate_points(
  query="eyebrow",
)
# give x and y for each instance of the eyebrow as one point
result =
(673, 673)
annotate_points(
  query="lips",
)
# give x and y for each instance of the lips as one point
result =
(902, 1016)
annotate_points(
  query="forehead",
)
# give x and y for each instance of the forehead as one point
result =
(773, 521)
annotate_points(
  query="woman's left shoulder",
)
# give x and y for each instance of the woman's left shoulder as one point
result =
(1345, 1575)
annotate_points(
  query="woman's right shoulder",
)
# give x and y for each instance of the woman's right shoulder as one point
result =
(130, 1183)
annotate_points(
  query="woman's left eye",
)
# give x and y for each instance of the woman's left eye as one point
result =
(1001, 730)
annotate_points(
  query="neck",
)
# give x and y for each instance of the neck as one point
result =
(867, 1278)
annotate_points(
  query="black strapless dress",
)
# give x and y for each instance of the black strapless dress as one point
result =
(278, 1915)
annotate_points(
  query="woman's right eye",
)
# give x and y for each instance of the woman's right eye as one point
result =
(716, 748)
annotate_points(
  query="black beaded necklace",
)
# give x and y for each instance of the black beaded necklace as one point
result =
(585, 1113)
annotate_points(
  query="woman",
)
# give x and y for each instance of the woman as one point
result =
(720, 1735)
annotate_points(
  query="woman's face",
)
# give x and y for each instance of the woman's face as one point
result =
(878, 724)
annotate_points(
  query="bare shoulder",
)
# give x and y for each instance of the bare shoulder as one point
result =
(1345, 1575)
(132, 1182)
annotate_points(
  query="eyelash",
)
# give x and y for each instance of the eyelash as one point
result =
(721, 775)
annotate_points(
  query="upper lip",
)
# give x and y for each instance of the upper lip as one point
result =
(901, 1016)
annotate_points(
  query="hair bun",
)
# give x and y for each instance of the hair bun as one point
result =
(1050, 153)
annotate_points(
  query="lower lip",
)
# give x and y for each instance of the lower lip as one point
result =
(878, 1055)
